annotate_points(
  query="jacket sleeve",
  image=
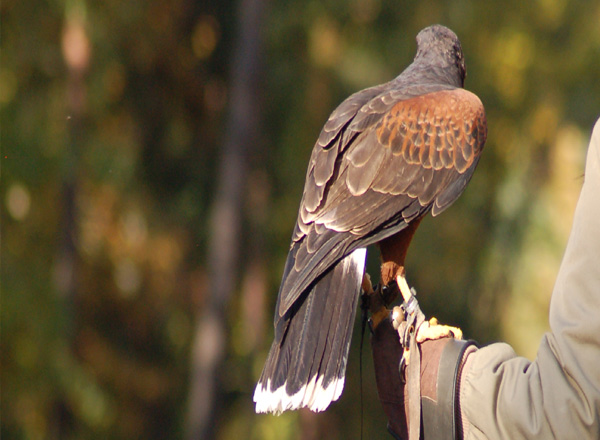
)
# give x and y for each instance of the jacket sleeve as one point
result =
(558, 394)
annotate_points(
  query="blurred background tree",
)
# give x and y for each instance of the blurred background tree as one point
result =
(146, 143)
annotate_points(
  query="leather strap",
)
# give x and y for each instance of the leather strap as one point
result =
(414, 319)
(414, 391)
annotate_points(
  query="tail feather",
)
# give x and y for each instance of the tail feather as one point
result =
(306, 368)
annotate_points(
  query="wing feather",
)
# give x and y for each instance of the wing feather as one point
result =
(324, 167)
(360, 175)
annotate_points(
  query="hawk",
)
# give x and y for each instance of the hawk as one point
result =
(386, 157)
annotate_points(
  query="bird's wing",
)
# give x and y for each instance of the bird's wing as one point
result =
(376, 167)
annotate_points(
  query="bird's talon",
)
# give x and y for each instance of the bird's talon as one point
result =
(367, 285)
(374, 302)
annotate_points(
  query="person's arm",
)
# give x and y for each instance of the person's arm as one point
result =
(558, 394)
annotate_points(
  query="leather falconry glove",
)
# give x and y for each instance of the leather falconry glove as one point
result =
(439, 361)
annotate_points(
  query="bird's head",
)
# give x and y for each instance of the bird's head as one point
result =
(439, 46)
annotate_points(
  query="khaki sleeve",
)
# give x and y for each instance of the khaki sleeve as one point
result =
(503, 396)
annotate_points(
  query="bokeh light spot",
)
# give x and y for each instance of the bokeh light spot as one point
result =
(127, 277)
(75, 43)
(18, 201)
(325, 43)
(205, 36)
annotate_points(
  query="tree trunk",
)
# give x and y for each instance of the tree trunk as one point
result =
(210, 339)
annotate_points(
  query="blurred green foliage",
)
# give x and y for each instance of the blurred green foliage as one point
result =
(112, 119)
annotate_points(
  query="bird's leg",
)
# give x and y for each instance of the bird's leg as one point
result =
(403, 286)
(431, 329)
